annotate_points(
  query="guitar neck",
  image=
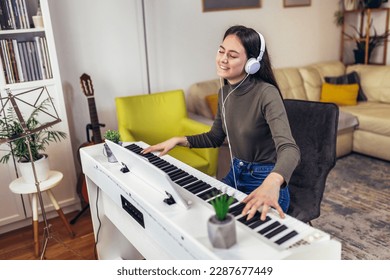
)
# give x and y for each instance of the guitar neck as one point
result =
(97, 137)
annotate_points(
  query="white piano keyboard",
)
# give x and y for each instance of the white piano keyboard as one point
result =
(275, 238)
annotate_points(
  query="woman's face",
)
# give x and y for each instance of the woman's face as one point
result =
(231, 59)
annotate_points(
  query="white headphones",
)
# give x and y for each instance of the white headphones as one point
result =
(253, 64)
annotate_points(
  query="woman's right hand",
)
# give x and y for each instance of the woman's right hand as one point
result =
(165, 146)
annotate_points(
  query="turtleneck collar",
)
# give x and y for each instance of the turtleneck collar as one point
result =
(245, 87)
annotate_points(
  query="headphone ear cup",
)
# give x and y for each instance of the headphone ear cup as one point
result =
(252, 66)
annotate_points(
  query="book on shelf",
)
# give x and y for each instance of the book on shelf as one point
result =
(14, 15)
(22, 62)
(18, 60)
(25, 60)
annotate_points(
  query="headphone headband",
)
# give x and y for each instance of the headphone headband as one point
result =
(253, 64)
(262, 47)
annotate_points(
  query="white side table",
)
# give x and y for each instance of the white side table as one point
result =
(19, 186)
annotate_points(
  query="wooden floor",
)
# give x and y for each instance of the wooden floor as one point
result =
(18, 244)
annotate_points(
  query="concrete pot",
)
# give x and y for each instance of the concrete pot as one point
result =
(41, 168)
(222, 234)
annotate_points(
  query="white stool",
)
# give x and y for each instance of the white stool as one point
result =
(19, 186)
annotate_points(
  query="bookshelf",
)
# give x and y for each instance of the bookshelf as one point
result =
(28, 61)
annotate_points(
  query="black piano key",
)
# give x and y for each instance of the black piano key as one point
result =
(134, 148)
(194, 184)
(236, 210)
(244, 220)
(200, 188)
(185, 181)
(177, 170)
(259, 222)
(160, 163)
(209, 193)
(156, 159)
(174, 173)
(168, 168)
(179, 176)
(286, 237)
(276, 231)
(268, 228)
(150, 156)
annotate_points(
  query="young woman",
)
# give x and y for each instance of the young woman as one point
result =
(252, 117)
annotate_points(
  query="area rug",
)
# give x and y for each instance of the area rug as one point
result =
(356, 207)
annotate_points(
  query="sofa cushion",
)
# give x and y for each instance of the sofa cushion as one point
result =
(339, 94)
(375, 81)
(372, 116)
(314, 74)
(212, 103)
(195, 99)
(347, 79)
(347, 121)
(290, 83)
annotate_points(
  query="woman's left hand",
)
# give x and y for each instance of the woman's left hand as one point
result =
(265, 196)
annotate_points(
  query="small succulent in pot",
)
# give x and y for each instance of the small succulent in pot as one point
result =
(112, 135)
(221, 226)
(221, 206)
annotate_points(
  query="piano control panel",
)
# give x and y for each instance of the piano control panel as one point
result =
(133, 211)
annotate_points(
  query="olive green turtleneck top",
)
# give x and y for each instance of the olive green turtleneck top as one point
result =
(256, 124)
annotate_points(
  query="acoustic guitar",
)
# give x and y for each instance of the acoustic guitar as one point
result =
(87, 88)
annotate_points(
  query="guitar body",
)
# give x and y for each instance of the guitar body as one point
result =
(87, 87)
(81, 183)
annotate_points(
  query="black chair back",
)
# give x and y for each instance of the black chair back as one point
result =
(314, 128)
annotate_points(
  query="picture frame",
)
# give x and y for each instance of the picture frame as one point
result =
(296, 3)
(218, 5)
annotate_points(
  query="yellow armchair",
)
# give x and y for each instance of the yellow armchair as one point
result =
(156, 117)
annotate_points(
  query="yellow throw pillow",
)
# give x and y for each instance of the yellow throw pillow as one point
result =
(340, 94)
(212, 103)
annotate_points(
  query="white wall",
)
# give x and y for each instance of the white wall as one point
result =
(105, 39)
(186, 40)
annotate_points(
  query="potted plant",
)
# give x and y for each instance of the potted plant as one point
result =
(10, 127)
(114, 136)
(373, 41)
(221, 226)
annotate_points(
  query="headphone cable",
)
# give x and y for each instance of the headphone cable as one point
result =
(224, 121)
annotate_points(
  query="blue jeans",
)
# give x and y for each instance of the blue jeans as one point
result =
(250, 175)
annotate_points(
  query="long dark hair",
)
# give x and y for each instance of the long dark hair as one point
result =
(251, 41)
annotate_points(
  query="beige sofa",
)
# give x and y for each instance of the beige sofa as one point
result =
(363, 128)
